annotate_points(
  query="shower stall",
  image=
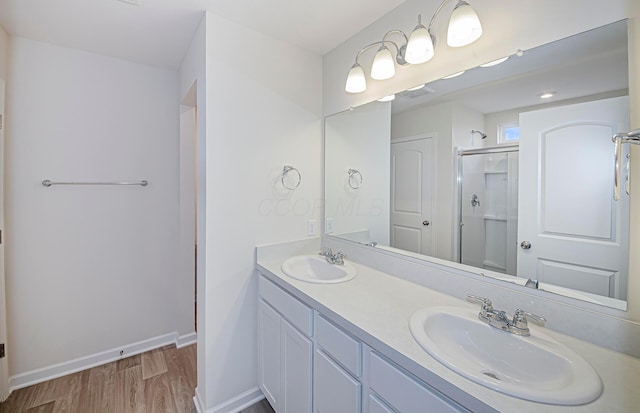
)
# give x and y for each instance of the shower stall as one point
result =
(488, 208)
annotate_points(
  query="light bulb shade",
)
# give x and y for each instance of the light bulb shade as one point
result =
(464, 26)
(420, 46)
(383, 66)
(356, 81)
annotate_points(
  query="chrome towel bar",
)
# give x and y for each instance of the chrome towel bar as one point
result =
(49, 183)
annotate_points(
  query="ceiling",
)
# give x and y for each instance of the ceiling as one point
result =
(158, 32)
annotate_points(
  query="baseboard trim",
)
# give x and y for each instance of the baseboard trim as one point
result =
(198, 403)
(83, 363)
(234, 405)
(186, 340)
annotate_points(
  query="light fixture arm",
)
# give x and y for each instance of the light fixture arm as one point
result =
(399, 49)
(364, 49)
(444, 2)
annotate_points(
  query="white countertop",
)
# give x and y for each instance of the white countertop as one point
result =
(376, 307)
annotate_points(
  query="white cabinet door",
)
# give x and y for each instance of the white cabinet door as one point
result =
(296, 356)
(269, 362)
(334, 390)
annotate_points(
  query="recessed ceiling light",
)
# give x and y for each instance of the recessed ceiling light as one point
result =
(387, 98)
(547, 95)
(454, 75)
(495, 62)
(417, 87)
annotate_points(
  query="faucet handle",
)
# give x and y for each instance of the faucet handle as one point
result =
(326, 253)
(487, 305)
(520, 318)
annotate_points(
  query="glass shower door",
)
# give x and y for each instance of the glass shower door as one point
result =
(489, 210)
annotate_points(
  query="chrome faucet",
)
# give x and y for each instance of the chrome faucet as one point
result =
(499, 319)
(337, 258)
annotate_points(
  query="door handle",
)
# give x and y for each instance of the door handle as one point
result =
(525, 245)
(426, 223)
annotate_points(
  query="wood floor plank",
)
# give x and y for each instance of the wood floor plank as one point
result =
(129, 390)
(101, 389)
(84, 399)
(153, 363)
(188, 357)
(56, 389)
(68, 392)
(158, 396)
(19, 401)
(183, 391)
(125, 363)
(43, 408)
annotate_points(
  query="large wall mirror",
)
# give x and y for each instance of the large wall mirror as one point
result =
(505, 170)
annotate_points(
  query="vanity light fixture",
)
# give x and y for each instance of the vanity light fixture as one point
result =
(419, 47)
(495, 62)
(547, 95)
(411, 89)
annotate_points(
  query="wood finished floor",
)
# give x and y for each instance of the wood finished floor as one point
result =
(159, 381)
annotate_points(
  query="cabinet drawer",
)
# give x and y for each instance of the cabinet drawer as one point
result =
(404, 393)
(298, 314)
(344, 349)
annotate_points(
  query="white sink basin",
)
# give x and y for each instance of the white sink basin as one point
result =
(536, 368)
(316, 269)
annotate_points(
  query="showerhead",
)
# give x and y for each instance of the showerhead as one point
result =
(482, 134)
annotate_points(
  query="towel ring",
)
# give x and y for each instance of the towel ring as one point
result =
(285, 171)
(355, 176)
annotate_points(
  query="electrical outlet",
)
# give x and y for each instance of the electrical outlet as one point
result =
(311, 227)
(329, 225)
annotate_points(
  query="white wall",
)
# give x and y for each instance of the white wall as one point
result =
(90, 268)
(359, 139)
(257, 112)
(4, 53)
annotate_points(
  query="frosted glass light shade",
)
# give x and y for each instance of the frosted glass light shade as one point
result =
(420, 46)
(356, 81)
(383, 65)
(464, 26)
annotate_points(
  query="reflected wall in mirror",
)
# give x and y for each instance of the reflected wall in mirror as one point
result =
(484, 171)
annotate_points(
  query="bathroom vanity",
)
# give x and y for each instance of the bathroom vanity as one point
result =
(347, 347)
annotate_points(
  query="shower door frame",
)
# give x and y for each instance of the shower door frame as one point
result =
(460, 152)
